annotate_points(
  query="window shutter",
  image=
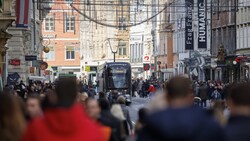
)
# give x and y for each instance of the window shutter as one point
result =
(54, 16)
(74, 25)
(64, 22)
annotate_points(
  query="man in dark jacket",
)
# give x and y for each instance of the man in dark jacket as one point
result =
(203, 94)
(91, 92)
(109, 120)
(181, 121)
(239, 104)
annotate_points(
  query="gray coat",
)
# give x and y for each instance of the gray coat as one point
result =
(127, 115)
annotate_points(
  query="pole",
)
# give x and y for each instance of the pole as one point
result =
(114, 56)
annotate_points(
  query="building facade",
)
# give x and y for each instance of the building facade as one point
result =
(95, 37)
(193, 60)
(165, 57)
(6, 19)
(224, 40)
(243, 37)
(26, 41)
(60, 30)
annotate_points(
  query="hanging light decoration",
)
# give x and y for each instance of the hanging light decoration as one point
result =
(46, 49)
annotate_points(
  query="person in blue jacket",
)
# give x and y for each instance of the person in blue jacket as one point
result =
(181, 121)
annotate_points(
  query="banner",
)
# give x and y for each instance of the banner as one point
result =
(22, 13)
(202, 22)
(189, 35)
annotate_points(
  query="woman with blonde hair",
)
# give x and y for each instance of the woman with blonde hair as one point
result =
(12, 121)
(116, 110)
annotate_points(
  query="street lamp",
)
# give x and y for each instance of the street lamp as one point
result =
(113, 49)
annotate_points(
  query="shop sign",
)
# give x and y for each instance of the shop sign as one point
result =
(202, 24)
(15, 62)
(30, 57)
(189, 35)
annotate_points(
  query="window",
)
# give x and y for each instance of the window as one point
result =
(219, 38)
(230, 39)
(214, 42)
(122, 51)
(51, 54)
(68, 1)
(70, 53)
(70, 23)
(225, 37)
(249, 35)
(131, 52)
(49, 23)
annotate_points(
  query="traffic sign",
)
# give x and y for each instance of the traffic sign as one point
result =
(146, 67)
(146, 59)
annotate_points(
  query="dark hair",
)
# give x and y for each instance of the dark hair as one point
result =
(179, 87)
(101, 95)
(142, 114)
(12, 117)
(240, 94)
(104, 104)
(66, 91)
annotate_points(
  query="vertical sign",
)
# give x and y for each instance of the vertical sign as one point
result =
(189, 35)
(202, 18)
(22, 13)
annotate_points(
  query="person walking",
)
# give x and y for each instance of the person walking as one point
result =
(181, 120)
(151, 90)
(91, 92)
(12, 121)
(238, 101)
(139, 88)
(63, 118)
(122, 101)
(107, 119)
(216, 95)
(203, 93)
(116, 110)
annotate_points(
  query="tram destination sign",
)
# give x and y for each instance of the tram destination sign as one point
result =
(202, 18)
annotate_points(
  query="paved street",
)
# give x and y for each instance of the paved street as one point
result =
(137, 103)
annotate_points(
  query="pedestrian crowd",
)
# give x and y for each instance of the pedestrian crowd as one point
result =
(70, 111)
(145, 88)
(64, 110)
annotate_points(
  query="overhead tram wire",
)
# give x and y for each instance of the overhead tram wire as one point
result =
(115, 26)
(144, 5)
(98, 21)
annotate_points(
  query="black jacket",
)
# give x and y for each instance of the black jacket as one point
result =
(91, 93)
(203, 93)
(238, 129)
(186, 124)
(109, 120)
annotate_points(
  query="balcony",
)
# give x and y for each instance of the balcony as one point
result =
(6, 17)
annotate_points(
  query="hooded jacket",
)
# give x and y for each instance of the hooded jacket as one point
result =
(185, 124)
(63, 124)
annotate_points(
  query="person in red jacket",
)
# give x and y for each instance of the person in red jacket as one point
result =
(151, 90)
(63, 120)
